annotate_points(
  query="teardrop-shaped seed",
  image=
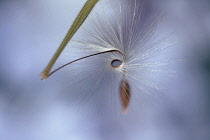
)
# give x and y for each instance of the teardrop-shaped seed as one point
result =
(124, 95)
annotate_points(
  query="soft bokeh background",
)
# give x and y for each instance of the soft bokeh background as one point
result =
(30, 32)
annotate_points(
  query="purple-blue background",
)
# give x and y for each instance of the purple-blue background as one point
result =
(30, 32)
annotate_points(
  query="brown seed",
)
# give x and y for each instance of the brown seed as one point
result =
(124, 95)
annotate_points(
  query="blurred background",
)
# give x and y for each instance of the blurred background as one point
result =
(31, 109)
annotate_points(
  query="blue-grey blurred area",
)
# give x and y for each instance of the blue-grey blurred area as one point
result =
(32, 109)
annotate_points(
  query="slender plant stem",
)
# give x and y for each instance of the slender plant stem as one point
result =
(84, 12)
(83, 58)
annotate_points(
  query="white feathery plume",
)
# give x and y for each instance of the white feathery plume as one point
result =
(132, 52)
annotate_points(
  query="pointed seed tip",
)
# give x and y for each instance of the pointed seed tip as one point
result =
(124, 111)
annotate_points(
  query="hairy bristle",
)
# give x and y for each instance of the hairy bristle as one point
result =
(138, 30)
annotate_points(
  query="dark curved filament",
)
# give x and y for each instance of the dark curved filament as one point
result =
(83, 58)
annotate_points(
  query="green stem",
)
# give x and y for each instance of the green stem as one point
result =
(84, 12)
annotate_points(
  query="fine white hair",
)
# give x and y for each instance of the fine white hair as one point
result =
(141, 32)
